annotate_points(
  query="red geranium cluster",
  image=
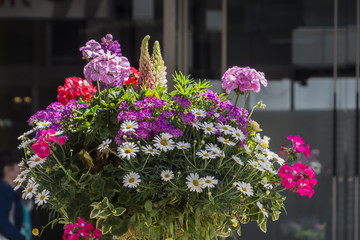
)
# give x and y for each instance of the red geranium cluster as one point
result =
(299, 178)
(134, 75)
(75, 88)
(81, 231)
(47, 138)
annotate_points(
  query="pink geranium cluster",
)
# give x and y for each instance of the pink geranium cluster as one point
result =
(81, 231)
(299, 178)
(45, 140)
(298, 145)
(75, 88)
(243, 80)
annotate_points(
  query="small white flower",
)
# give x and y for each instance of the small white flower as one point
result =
(204, 154)
(278, 159)
(105, 144)
(30, 190)
(26, 134)
(216, 115)
(167, 175)
(227, 129)
(183, 145)
(129, 126)
(131, 180)
(256, 165)
(262, 159)
(257, 138)
(209, 181)
(22, 176)
(262, 209)
(194, 183)
(42, 124)
(263, 150)
(164, 142)
(226, 141)
(198, 112)
(208, 128)
(128, 150)
(150, 150)
(238, 160)
(35, 160)
(26, 143)
(18, 184)
(238, 134)
(244, 188)
(196, 124)
(214, 149)
(42, 197)
(247, 149)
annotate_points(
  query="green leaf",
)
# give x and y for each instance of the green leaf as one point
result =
(148, 205)
(94, 213)
(119, 226)
(263, 225)
(98, 185)
(118, 211)
(104, 214)
(104, 203)
(106, 228)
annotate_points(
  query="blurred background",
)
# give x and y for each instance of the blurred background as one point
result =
(312, 91)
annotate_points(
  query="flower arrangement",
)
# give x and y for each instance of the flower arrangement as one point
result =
(140, 162)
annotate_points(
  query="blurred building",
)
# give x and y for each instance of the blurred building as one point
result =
(292, 42)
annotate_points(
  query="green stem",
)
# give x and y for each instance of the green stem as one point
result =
(252, 110)
(98, 86)
(237, 97)
(189, 161)
(145, 162)
(246, 98)
(65, 171)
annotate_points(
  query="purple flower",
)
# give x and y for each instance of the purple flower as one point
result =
(108, 68)
(107, 44)
(91, 50)
(211, 96)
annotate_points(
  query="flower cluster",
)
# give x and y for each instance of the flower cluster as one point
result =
(75, 88)
(132, 153)
(81, 231)
(298, 146)
(243, 80)
(298, 178)
(106, 63)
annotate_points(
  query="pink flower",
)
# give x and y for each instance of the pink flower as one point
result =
(289, 181)
(285, 170)
(304, 187)
(96, 234)
(62, 140)
(48, 135)
(311, 193)
(81, 222)
(307, 151)
(41, 149)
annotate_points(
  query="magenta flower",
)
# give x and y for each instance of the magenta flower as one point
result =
(243, 79)
(41, 149)
(289, 181)
(48, 135)
(304, 187)
(285, 170)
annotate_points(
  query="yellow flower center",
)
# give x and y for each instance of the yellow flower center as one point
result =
(129, 126)
(128, 150)
(262, 209)
(37, 159)
(235, 225)
(206, 155)
(182, 146)
(167, 175)
(164, 143)
(225, 128)
(255, 165)
(44, 124)
(208, 181)
(262, 160)
(244, 189)
(226, 141)
(42, 197)
(18, 183)
(198, 113)
(196, 183)
(29, 190)
(131, 180)
(208, 128)
(35, 231)
(150, 150)
(238, 134)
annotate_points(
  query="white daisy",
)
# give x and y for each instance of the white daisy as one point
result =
(257, 138)
(22, 176)
(227, 129)
(214, 149)
(262, 159)
(238, 160)
(131, 180)
(238, 134)
(208, 128)
(30, 190)
(128, 150)
(150, 150)
(26, 143)
(194, 183)
(164, 142)
(196, 124)
(198, 112)
(204, 154)
(226, 141)
(129, 126)
(209, 181)
(26, 134)
(247, 149)
(167, 175)
(42, 124)
(183, 145)
(262, 209)
(244, 188)
(256, 165)
(278, 159)
(18, 184)
(42, 197)
(35, 160)
(105, 144)
(261, 149)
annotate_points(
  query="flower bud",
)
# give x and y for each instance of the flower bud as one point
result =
(217, 115)
(267, 192)
(234, 184)
(28, 153)
(254, 126)
(48, 169)
(125, 137)
(202, 142)
(178, 173)
(138, 190)
(209, 194)
(138, 142)
(71, 150)
(264, 143)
